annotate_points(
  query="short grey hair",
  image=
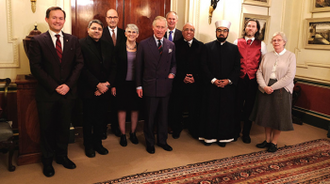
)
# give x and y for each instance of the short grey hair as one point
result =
(177, 17)
(132, 27)
(161, 18)
(279, 34)
(97, 21)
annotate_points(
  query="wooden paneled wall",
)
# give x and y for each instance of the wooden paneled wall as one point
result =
(139, 12)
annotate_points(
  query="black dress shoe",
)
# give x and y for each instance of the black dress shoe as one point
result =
(104, 135)
(66, 162)
(90, 152)
(101, 150)
(165, 147)
(222, 144)
(246, 139)
(133, 138)
(116, 131)
(207, 144)
(264, 144)
(272, 148)
(151, 149)
(48, 170)
(176, 134)
(123, 140)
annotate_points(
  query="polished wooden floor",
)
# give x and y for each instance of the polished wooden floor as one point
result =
(123, 161)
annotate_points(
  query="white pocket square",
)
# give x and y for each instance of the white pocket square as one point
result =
(169, 50)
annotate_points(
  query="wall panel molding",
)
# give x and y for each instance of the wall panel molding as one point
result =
(10, 39)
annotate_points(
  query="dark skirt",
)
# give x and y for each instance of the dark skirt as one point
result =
(127, 98)
(274, 110)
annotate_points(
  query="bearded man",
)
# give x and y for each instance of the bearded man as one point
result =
(221, 72)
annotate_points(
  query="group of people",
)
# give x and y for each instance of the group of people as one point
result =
(219, 84)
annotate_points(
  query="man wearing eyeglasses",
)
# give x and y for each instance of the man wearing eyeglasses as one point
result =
(113, 35)
(187, 85)
(221, 72)
(251, 51)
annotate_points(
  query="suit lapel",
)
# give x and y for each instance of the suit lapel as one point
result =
(49, 42)
(153, 48)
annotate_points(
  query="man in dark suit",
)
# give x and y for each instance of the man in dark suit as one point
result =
(155, 70)
(96, 78)
(172, 33)
(221, 72)
(187, 85)
(55, 61)
(114, 35)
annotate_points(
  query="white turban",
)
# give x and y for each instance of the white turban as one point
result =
(222, 23)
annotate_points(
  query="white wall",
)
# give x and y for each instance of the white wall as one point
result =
(19, 19)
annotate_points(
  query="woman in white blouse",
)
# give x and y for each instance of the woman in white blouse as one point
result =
(275, 75)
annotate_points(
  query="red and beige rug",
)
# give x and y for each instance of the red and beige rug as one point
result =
(307, 162)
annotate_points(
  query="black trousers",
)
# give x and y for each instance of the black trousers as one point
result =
(94, 111)
(54, 119)
(155, 107)
(185, 100)
(246, 94)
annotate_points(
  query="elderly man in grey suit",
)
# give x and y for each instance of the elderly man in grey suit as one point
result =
(155, 70)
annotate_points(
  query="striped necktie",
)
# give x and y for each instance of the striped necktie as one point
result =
(160, 47)
(59, 47)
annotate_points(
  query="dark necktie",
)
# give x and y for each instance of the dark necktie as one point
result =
(160, 47)
(113, 37)
(170, 36)
(59, 47)
(249, 41)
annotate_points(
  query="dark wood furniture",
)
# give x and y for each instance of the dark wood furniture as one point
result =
(28, 123)
(139, 12)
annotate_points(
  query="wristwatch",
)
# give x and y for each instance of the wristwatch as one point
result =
(230, 83)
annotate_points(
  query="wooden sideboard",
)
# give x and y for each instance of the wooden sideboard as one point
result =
(28, 123)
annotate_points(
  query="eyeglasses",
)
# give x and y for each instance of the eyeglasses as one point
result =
(112, 17)
(277, 40)
(222, 30)
(187, 29)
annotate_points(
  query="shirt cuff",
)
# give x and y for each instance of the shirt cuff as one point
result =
(139, 87)
(213, 80)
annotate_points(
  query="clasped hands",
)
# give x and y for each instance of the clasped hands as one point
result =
(189, 79)
(221, 83)
(62, 89)
(269, 90)
(101, 88)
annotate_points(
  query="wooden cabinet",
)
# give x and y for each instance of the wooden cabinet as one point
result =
(28, 123)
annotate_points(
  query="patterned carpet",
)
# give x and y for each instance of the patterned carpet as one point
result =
(307, 162)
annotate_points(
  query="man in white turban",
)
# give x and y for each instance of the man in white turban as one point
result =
(221, 72)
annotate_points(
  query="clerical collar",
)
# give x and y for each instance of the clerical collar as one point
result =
(190, 42)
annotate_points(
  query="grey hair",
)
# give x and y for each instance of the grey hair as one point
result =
(279, 34)
(97, 21)
(161, 18)
(132, 27)
(177, 17)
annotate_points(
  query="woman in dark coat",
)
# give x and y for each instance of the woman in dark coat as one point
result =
(124, 88)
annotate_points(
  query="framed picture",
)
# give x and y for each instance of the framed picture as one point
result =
(320, 5)
(317, 33)
(258, 2)
(264, 21)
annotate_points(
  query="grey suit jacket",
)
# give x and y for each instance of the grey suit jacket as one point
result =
(152, 69)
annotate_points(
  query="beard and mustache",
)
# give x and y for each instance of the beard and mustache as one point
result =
(221, 39)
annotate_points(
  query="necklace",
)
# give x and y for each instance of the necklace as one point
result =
(131, 48)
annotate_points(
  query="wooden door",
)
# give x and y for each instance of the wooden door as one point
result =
(139, 12)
